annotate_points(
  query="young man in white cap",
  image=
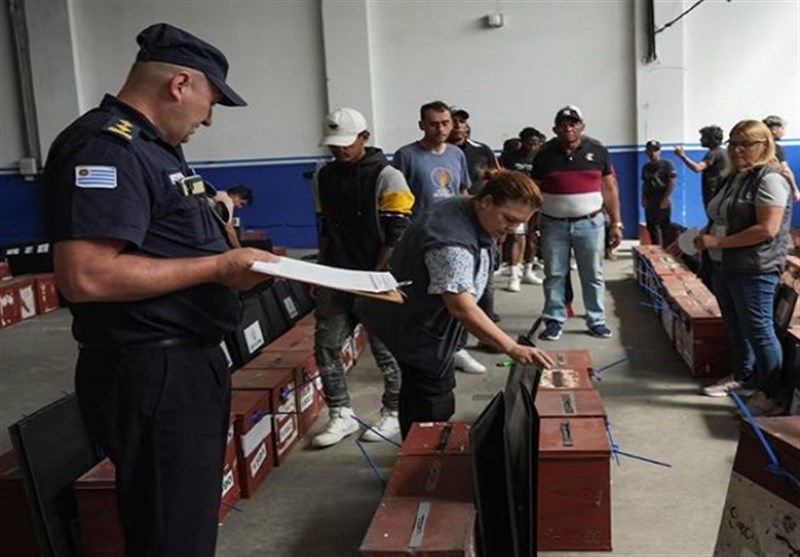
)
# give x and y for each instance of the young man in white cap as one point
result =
(363, 205)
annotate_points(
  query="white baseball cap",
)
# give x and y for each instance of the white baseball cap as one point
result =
(342, 126)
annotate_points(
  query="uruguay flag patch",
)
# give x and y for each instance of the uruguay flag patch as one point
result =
(96, 177)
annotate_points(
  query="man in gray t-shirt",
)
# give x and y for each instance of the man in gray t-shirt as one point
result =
(433, 168)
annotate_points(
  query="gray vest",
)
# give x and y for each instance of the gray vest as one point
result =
(770, 255)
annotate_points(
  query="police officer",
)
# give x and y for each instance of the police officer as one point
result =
(151, 281)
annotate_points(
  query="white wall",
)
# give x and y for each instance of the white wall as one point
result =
(739, 58)
(548, 54)
(274, 48)
(12, 138)
(742, 61)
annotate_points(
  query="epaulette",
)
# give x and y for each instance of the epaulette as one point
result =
(121, 127)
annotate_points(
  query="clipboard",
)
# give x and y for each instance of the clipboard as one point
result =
(371, 284)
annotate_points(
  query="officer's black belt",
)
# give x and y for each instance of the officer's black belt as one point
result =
(172, 342)
(591, 215)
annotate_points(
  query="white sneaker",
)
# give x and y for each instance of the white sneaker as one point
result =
(538, 265)
(529, 277)
(504, 270)
(466, 363)
(385, 428)
(515, 281)
(341, 424)
(724, 386)
(573, 265)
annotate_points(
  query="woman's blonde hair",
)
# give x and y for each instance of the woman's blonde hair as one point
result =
(756, 130)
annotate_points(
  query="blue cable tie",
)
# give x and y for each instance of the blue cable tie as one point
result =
(775, 466)
(596, 372)
(371, 463)
(230, 506)
(614, 446)
(659, 307)
(375, 431)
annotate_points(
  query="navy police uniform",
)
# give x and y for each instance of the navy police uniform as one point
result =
(152, 382)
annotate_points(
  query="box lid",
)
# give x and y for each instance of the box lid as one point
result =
(573, 438)
(584, 403)
(442, 476)
(427, 438)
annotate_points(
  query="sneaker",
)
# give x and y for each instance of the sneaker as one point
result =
(552, 331)
(341, 424)
(504, 270)
(538, 265)
(724, 386)
(761, 405)
(600, 331)
(466, 363)
(514, 283)
(573, 265)
(387, 427)
(529, 277)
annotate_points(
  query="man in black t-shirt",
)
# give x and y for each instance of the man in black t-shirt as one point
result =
(714, 163)
(480, 156)
(658, 181)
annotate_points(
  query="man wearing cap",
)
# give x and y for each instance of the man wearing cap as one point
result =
(436, 170)
(363, 205)
(577, 183)
(658, 181)
(142, 258)
(777, 127)
(480, 156)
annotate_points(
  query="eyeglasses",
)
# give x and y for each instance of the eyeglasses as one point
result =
(746, 144)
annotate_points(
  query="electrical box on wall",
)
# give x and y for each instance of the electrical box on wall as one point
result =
(28, 168)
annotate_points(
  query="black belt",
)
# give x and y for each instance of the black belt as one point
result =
(591, 215)
(173, 342)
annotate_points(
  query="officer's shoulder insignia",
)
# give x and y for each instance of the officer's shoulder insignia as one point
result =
(121, 127)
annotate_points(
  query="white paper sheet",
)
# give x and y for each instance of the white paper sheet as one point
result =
(686, 240)
(323, 275)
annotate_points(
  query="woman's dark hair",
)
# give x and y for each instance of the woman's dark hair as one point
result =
(510, 186)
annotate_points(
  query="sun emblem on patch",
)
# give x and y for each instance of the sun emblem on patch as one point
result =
(83, 172)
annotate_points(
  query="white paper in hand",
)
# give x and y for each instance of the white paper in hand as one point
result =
(686, 240)
(332, 277)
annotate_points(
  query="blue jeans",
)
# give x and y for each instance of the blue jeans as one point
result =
(335, 321)
(586, 237)
(747, 301)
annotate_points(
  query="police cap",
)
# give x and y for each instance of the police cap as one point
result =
(163, 42)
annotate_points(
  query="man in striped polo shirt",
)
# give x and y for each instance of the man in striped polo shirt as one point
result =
(577, 182)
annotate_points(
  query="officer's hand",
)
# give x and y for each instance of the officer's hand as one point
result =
(679, 150)
(233, 267)
(615, 235)
(529, 355)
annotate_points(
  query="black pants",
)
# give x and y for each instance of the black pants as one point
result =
(161, 415)
(423, 398)
(658, 221)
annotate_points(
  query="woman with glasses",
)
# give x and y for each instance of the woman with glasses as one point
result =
(748, 240)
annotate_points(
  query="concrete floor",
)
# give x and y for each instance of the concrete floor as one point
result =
(320, 503)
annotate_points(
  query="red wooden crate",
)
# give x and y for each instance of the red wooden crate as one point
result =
(231, 484)
(17, 300)
(420, 527)
(429, 438)
(16, 526)
(255, 446)
(572, 359)
(566, 379)
(584, 403)
(446, 477)
(574, 485)
(279, 386)
(701, 338)
(46, 293)
(310, 398)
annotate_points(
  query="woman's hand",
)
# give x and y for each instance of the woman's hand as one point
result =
(529, 355)
(707, 241)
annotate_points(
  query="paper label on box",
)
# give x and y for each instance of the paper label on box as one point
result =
(418, 532)
(227, 353)
(559, 378)
(28, 299)
(230, 433)
(43, 248)
(253, 337)
(227, 482)
(258, 460)
(291, 309)
(287, 434)
(306, 397)
(12, 251)
(28, 250)
(288, 406)
(318, 383)
(256, 435)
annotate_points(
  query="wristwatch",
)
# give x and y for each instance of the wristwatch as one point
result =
(617, 225)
